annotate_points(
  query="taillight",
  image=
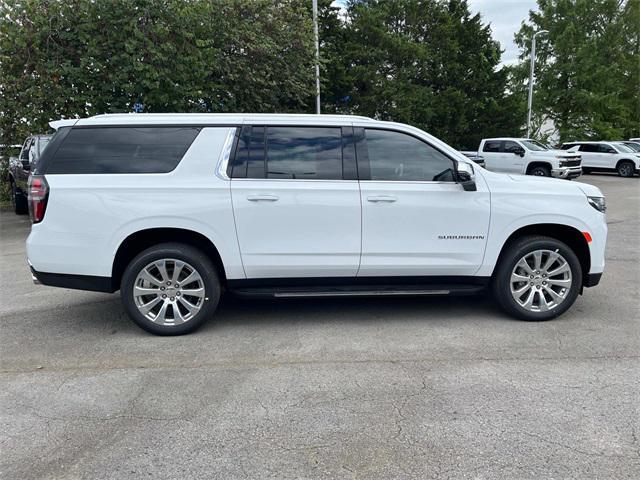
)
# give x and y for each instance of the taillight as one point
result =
(38, 195)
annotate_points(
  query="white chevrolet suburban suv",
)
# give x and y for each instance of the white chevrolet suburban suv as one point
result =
(528, 157)
(173, 210)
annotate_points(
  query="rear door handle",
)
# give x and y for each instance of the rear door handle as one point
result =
(262, 198)
(382, 198)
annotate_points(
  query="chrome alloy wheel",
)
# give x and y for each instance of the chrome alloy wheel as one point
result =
(541, 280)
(169, 292)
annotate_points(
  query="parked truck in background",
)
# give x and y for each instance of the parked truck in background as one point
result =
(528, 157)
(20, 168)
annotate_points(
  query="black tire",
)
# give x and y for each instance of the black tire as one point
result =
(185, 253)
(626, 168)
(18, 202)
(540, 171)
(512, 254)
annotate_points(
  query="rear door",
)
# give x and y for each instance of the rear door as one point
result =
(23, 169)
(296, 201)
(492, 156)
(591, 156)
(416, 220)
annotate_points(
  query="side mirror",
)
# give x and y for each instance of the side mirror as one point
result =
(26, 164)
(519, 151)
(466, 177)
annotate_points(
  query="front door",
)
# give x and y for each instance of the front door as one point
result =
(416, 221)
(296, 202)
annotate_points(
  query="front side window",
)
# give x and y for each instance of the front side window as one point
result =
(397, 156)
(511, 147)
(603, 148)
(491, 146)
(304, 153)
(122, 150)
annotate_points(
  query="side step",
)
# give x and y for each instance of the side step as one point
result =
(357, 291)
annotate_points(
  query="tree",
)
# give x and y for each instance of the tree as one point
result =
(587, 66)
(75, 58)
(429, 63)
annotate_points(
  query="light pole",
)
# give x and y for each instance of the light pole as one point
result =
(317, 40)
(531, 72)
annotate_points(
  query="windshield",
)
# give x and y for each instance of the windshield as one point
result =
(534, 145)
(632, 147)
(623, 148)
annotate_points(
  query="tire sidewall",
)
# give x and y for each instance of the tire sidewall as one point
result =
(621, 169)
(515, 252)
(546, 172)
(188, 254)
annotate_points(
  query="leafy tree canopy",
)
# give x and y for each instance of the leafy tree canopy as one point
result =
(587, 66)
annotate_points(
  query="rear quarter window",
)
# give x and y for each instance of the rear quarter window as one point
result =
(122, 150)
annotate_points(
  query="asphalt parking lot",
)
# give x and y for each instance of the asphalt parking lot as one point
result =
(349, 388)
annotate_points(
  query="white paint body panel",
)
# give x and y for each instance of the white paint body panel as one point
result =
(315, 228)
(297, 228)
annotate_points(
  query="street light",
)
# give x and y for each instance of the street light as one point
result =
(533, 61)
(315, 31)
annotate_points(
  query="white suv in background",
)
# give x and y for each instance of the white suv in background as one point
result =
(528, 157)
(173, 210)
(606, 157)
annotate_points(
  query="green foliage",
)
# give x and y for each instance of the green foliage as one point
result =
(75, 58)
(587, 66)
(429, 63)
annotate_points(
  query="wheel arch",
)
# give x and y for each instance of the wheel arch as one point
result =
(143, 239)
(538, 163)
(569, 235)
(625, 160)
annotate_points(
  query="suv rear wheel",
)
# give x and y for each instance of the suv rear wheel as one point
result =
(538, 278)
(170, 289)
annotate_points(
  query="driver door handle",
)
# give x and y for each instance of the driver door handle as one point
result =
(382, 198)
(262, 198)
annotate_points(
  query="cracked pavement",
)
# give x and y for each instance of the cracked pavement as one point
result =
(344, 388)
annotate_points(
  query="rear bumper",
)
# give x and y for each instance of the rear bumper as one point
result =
(76, 282)
(566, 172)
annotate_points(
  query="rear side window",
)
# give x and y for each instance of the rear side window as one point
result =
(491, 146)
(304, 153)
(296, 153)
(122, 150)
(589, 147)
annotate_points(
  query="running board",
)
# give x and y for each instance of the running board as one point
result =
(358, 291)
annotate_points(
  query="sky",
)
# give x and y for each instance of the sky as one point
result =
(505, 17)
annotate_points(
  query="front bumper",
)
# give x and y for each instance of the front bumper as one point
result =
(566, 172)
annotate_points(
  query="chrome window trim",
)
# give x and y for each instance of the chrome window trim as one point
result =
(225, 154)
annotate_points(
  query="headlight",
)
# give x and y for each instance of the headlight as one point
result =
(598, 203)
(562, 163)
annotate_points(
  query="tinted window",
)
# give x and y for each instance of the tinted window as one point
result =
(589, 147)
(511, 147)
(567, 146)
(304, 153)
(491, 146)
(122, 150)
(401, 157)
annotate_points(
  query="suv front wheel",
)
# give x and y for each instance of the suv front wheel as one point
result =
(538, 278)
(170, 289)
